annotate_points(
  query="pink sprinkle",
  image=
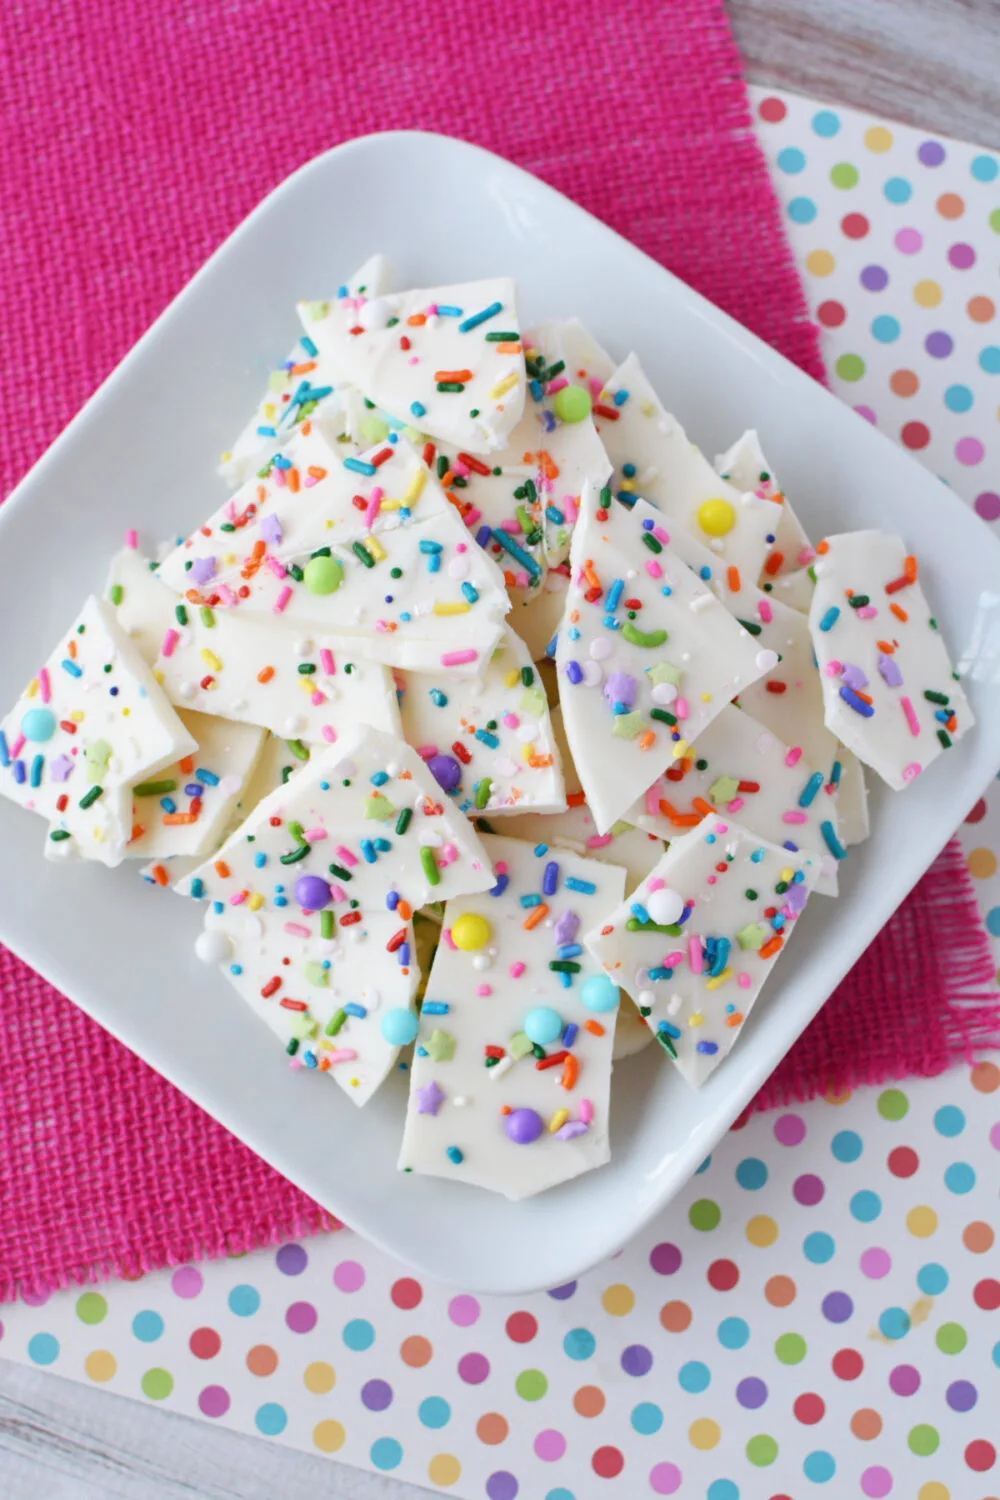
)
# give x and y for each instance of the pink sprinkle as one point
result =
(297, 929)
(446, 934)
(599, 840)
(381, 626)
(806, 556)
(867, 612)
(169, 642)
(911, 715)
(722, 828)
(458, 658)
(595, 386)
(516, 970)
(681, 708)
(912, 771)
(18, 746)
(735, 805)
(586, 1111)
(657, 884)
(341, 1054)
(559, 384)
(131, 540)
(316, 698)
(695, 955)
(511, 525)
(712, 879)
(447, 855)
(521, 580)
(44, 686)
(511, 720)
(309, 481)
(833, 668)
(457, 467)
(372, 508)
(413, 360)
(345, 856)
(673, 959)
(226, 594)
(653, 804)
(315, 835)
(795, 817)
(278, 477)
(653, 568)
(472, 516)
(426, 752)
(793, 756)
(277, 568)
(237, 898)
(326, 661)
(483, 991)
(744, 981)
(337, 893)
(661, 535)
(765, 611)
(461, 547)
(284, 594)
(329, 733)
(570, 509)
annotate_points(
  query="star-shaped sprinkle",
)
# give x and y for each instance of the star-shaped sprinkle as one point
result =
(429, 1099)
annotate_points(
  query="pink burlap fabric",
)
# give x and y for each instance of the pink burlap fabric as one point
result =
(132, 140)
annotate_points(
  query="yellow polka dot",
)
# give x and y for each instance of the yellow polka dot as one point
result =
(101, 1365)
(819, 262)
(328, 1436)
(934, 1490)
(762, 1230)
(927, 294)
(878, 138)
(836, 1095)
(319, 1377)
(444, 1468)
(922, 1221)
(982, 863)
(618, 1299)
(704, 1433)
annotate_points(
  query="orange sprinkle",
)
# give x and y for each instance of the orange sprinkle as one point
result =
(536, 915)
(404, 910)
(574, 616)
(771, 946)
(507, 348)
(822, 548)
(773, 562)
(899, 612)
(886, 647)
(292, 480)
(137, 832)
(733, 579)
(910, 568)
(307, 426)
(505, 1109)
(575, 799)
(865, 697)
(323, 1066)
(186, 765)
(304, 368)
(705, 808)
(172, 820)
(538, 762)
(460, 376)
(594, 1027)
(590, 575)
(416, 320)
(221, 869)
(679, 820)
(447, 478)
(192, 596)
(315, 471)
(265, 674)
(570, 1069)
(160, 874)
(71, 650)
(735, 1019)
(645, 741)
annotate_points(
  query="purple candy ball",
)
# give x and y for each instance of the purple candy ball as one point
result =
(312, 892)
(523, 1126)
(446, 771)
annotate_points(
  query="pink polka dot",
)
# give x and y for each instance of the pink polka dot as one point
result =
(876, 1263)
(187, 1281)
(349, 1276)
(969, 450)
(789, 1130)
(665, 1479)
(301, 1317)
(463, 1311)
(213, 1401)
(962, 257)
(550, 1445)
(909, 241)
(876, 1482)
(473, 1368)
(36, 1299)
(867, 413)
(808, 1189)
(988, 506)
(995, 1136)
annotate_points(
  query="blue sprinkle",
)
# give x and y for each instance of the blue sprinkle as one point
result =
(168, 804)
(620, 397)
(352, 1009)
(565, 979)
(832, 842)
(378, 778)
(569, 1035)
(835, 774)
(207, 778)
(553, 514)
(757, 856)
(217, 906)
(540, 850)
(574, 672)
(4, 751)
(483, 535)
(359, 466)
(236, 969)
(627, 499)
(661, 973)
(426, 546)
(36, 770)
(470, 592)
(20, 774)
(629, 471)
(434, 562)
(487, 738)
(536, 390)
(583, 887)
(368, 850)
(392, 900)
(418, 408)
(438, 698)
(524, 558)
(267, 432)
(809, 791)
(72, 668)
(197, 888)
(310, 1059)
(850, 697)
(830, 619)
(260, 859)
(527, 901)
(453, 1153)
(475, 319)
(448, 311)
(550, 879)
(708, 1048)
(671, 1030)
(281, 462)
(403, 954)
(435, 1008)
(502, 883)
(552, 647)
(638, 910)
(569, 950)
(383, 846)
(614, 594)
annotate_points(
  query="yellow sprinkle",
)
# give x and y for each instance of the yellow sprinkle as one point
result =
(503, 386)
(680, 749)
(648, 409)
(713, 984)
(512, 678)
(328, 523)
(211, 660)
(230, 559)
(695, 1018)
(787, 873)
(255, 901)
(126, 712)
(558, 1120)
(77, 715)
(270, 411)
(225, 457)
(416, 486)
(706, 697)
(32, 688)
(355, 1082)
(451, 609)
(307, 685)
(376, 549)
(157, 674)
(527, 752)
(628, 485)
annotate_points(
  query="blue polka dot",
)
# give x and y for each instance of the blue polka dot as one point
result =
(825, 122)
(818, 1248)
(847, 1144)
(647, 1418)
(733, 1333)
(949, 1120)
(560, 1494)
(270, 1419)
(751, 1173)
(989, 359)
(791, 160)
(984, 168)
(434, 1411)
(894, 1323)
(694, 1377)
(148, 1326)
(958, 398)
(43, 1349)
(243, 1301)
(358, 1334)
(996, 1354)
(993, 921)
(386, 1453)
(819, 1466)
(959, 1177)
(898, 190)
(704, 1166)
(579, 1343)
(866, 1206)
(722, 1489)
(802, 210)
(885, 329)
(932, 1279)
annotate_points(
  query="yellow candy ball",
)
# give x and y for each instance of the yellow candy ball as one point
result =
(470, 932)
(716, 517)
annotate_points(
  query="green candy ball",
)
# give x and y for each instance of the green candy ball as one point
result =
(572, 403)
(323, 575)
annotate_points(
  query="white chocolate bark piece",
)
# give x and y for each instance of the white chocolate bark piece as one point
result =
(324, 997)
(746, 468)
(889, 689)
(361, 821)
(187, 808)
(91, 721)
(647, 656)
(795, 590)
(436, 356)
(695, 943)
(487, 741)
(489, 1104)
(300, 389)
(853, 825)
(654, 458)
(738, 768)
(248, 667)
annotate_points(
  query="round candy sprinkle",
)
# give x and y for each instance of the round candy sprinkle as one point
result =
(572, 403)
(38, 725)
(523, 1126)
(542, 1025)
(716, 517)
(323, 575)
(399, 1026)
(446, 771)
(665, 907)
(213, 947)
(599, 993)
(312, 892)
(470, 932)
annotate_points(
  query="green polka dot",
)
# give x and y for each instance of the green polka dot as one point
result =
(704, 1214)
(790, 1348)
(157, 1384)
(951, 1338)
(923, 1439)
(892, 1104)
(531, 1385)
(572, 403)
(323, 575)
(91, 1308)
(995, 220)
(843, 175)
(850, 367)
(762, 1450)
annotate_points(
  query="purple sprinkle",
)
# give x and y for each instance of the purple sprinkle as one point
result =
(270, 530)
(796, 897)
(202, 569)
(571, 1130)
(574, 672)
(446, 771)
(483, 536)
(889, 668)
(853, 677)
(619, 687)
(550, 880)
(60, 768)
(565, 929)
(193, 789)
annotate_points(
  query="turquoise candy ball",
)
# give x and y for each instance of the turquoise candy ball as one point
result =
(38, 725)
(599, 993)
(543, 1025)
(399, 1026)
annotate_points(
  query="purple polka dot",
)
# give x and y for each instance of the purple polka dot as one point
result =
(550, 1445)
(301, 1317)
(563, 1293)
(349, 1276)
(789, 1130)
(463, 1311)
(969, 450)
(502, 1485)
(1, 1330)
(837, 1307)
(665, 1258)
(291, 1260)
(473, 1368)
(376, 1395)
(988, 506)
(939, 344)
(930, 153)
(867, 413)
(39, 1298)
(637, 1360)
(995, 1135)
(874, 278)
(751, 1393)
(904, 1380)
(962, 256)
(213, 1401)
(909, 241)
(876, 1263)
(665, 1479)
(876, 1482)
(187, 1281)
(961, 1395)
(808, 1189)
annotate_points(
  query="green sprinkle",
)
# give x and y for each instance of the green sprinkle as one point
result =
(154, 788)
(326, 923)
(306, 668)
(362, 554)
(58, 835)
(337, 1019)
(943, 736)
(750, 895)
(649, 638)
(527, 676)
(90, 797)
(293, 1046)
(296, 855)
(649, 540)
(296, 572)
(663, 716)
(207, 617)
(340, 872)
(297, 832)
(429, 865)
(634, 925)
(858, 601)
(941, 698)
(563, 966)
(666, 1043)
(181, 614)
(503, 338)
(749, 625)
(482, 793)
(116, 593)
(450, 387)
(300, 751)
(403, 821)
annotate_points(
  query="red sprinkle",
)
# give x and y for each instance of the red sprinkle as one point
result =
(380, 457)
(293, 1004)
(606, 411)
(493, 1051)
(776, 687)
(461, 752)
(475, 464)
(350, 919)
(552, 1061)
(268, 989)
(396, 941)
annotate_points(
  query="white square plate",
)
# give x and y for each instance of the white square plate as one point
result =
(143, 454)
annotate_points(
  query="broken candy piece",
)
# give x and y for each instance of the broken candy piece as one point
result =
(695, 943)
